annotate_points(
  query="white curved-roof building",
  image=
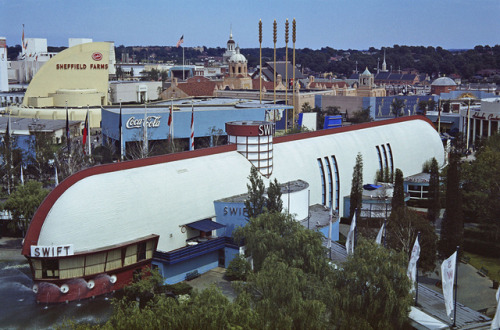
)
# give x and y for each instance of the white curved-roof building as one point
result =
(107, 206)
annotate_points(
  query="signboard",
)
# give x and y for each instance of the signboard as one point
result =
(39, 251)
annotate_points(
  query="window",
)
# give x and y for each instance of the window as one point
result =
(330, 186)
(380, 159)
(391, 162)
(323, 186)
(50, 268)
(337, 182)
(141, 251)
(385, 157)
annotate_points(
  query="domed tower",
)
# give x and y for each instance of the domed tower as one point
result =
(230, 50)
(238, 64)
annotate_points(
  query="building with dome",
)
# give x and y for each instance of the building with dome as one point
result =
(238, 77)
(230, 50)
(443, 85)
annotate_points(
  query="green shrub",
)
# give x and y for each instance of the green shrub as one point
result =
(238, 269)
(179, 288)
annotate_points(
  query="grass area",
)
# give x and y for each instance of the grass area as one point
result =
(491, 264)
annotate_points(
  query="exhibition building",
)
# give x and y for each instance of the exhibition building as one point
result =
(101, 225)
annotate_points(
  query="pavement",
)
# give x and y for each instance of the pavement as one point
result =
(10, 249)
(214, 277)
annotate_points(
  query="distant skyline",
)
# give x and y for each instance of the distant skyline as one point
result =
(339, 24)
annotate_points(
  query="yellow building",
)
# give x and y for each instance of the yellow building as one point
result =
(76, 77)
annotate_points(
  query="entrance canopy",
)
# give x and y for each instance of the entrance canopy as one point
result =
(205, 225)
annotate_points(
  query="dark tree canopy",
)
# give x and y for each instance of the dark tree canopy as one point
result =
(356, 195)
(434, 205)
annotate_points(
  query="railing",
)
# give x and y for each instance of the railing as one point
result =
(191, 251)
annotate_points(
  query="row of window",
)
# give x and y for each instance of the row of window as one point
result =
(78, 266)
(330, 193)
(388, 162)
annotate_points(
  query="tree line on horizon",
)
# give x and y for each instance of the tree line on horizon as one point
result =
(433, 61)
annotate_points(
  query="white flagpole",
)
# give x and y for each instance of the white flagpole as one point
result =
(88, 129)
(329, 244)
(121, 132)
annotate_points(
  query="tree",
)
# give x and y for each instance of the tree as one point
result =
(41, 154)
(281, 234)
(256, 199)
(434, 206)
(397, 105)
(23, 202)
(452, 225)
(274, 202)
(356, 196)
(306, 107)
(402, 229)
(398, 196)
(371, 291)
(361, 116)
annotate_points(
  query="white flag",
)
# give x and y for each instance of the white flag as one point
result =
(495, 324)
(349, 244)
(22, 176)
(56, 178)
(378, 240)
(448, 268)
(412, 265)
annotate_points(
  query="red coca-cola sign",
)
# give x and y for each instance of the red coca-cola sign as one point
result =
(97, 56)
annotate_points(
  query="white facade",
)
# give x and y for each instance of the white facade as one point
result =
(135, 92)
(480, 122)
(4, 74)
(114, 203)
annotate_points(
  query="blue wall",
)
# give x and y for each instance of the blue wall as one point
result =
(203, 122)
(177, 272)
(381, 106)
(231, 215)
(335, 231)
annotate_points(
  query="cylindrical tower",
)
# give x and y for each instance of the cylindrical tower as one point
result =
(254, 140)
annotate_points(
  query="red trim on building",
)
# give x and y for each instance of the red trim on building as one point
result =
(295, 137)
(33, 233)
(38, 219)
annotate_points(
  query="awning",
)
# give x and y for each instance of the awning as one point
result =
(371, 187)
(205, 225)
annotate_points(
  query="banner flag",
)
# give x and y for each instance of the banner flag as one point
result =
(349, 244)
(495, 324)
(85, 132)
(412, 265)
(191, 137)
(448, 268)
(378, 240)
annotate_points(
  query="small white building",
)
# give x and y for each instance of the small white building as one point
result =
(134, 91)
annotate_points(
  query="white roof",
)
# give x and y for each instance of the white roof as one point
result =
(124, 201)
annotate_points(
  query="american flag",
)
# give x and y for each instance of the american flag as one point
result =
(181, 40)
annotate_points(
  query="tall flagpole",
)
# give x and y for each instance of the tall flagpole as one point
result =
(145, 130)
(260, 61)
(191, 139)
(293, 79)
(88, 129)
(286, 74)
(183, 64)
(120, 129)
(274, 77)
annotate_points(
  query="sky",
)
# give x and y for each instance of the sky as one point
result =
(339, 24)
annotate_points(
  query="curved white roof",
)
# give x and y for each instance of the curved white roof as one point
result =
(110, 204)
(443, 81)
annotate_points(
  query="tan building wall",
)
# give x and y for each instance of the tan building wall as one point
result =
(77, 76)
(349, 104)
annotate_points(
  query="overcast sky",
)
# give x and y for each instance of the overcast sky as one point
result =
(340, 24)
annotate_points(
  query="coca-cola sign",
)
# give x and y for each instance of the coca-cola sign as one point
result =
(151, 122)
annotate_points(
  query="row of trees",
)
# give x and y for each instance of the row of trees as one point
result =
(429, 60)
